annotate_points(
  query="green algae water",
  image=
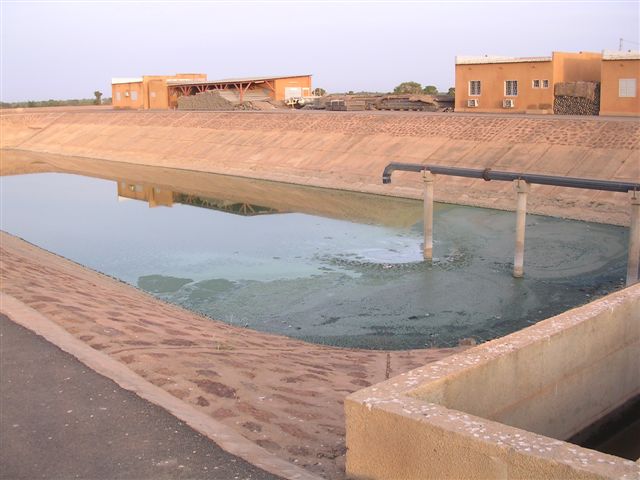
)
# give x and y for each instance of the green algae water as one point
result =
(324, 280)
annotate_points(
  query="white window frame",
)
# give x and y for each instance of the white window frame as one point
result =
(134, 95)
(513, 83)
(535, 83)
(118, 96)
(627, 87)
(545, 84)
(479, 90)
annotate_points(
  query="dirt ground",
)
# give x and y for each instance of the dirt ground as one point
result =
(285, 395)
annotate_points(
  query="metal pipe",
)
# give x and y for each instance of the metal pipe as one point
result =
(488, 174)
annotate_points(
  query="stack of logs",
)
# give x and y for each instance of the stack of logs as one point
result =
(577, 98)
(420, 103)
(345, 105)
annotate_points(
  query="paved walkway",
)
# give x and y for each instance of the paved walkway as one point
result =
(59, 419)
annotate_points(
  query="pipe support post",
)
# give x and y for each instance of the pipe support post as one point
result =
(633, 265)
(428, 178)
(522, 189)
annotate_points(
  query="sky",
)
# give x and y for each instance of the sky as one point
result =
(70, 49)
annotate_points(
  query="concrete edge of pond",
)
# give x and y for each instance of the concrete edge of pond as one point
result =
(505, 408)
(223, 436)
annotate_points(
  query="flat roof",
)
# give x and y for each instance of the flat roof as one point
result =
(474, 60)
(117, 80)
(619, 55)
(234, 80)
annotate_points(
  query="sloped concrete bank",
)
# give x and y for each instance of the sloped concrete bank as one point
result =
(349, 150)
(281, 394)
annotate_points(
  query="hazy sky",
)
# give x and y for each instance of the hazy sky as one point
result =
(69, 49)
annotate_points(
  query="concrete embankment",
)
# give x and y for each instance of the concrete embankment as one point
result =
(281, 394)
(349, 150)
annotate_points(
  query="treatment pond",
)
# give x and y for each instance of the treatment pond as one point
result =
(352, 275)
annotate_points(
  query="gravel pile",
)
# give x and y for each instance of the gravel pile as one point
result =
(210, 100)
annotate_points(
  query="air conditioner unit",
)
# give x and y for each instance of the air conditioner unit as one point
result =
(472, 103)
(126, 94)
(508, 103)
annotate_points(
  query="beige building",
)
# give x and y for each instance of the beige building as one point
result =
(519, 84)
(162, 91)
(620, 87)
(148, 91)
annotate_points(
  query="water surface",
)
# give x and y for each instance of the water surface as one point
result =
(324, 280)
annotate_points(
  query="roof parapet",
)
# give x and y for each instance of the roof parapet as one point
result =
(240, 80)
(487, 59)
(117, 80)
(619, 55)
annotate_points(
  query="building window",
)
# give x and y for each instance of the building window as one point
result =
(511, 88)
(627, 87)
(474, 87)
(152, 94)
(536, 83)
(134, 95)
(545, 83)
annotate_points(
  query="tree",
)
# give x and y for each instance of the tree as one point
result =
(98, 95)
(319, 92)
(430, 90)
(408, 87)
(451, 91)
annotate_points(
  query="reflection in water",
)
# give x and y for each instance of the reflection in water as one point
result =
(157, 196)
(245, 209)
(283, 197)
(319, 279)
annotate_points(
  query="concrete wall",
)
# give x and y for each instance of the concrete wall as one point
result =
(303, 82)
(128, 95)
(503, 409)
(576, 67)
(349, 150)
(157, 94)
(610, 101)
